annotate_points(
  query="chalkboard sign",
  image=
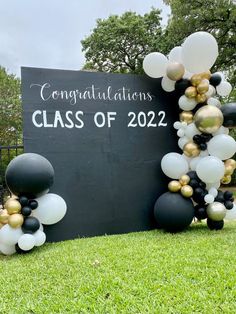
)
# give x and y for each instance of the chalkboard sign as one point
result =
(105, 135)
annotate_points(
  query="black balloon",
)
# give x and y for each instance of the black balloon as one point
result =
(30, 225)
(220, 197)
(26, 211)
(23, 200)
(29, 174)
(200, 212)
(215, 79)
(229, 205)
(229, 113)
(193, 175)
(194, 183)
(173, 212)
(181, 85)
(215, 225)
(203, 146)
(228, 195)
(33, 204)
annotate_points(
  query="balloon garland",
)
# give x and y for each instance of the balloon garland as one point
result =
(203, 131)
(28, 177)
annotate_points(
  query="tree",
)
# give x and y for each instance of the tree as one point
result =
(119, 43)
(10, 108)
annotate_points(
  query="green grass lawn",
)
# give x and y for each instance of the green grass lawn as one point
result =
(146, 272)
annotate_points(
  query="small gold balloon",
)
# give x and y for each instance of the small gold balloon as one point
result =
(231, 162)
(208, 119)
(229, 170)
(174, 186)
(206, 75)
(216, 211)
(4, 216)
(13, 206)
(191, 92)
(196, 79)
(201, 98)
(184, 180)
(186, 116)
(191, 149)
(186, 191)
(203, 87)
(226, 180)
(175, 71)
(15, 220)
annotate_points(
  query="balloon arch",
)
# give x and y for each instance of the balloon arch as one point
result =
(203, 131)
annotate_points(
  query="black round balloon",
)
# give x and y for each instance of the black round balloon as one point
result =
(229, 205)
(23, 200)
(215, 79)
(229, 113)
(181, 85)
(220, 197)
(26, 211)
(29, 174)
(202, 185)
(200, 212)
(173, 212)
(215, 225)
(203, 146)
(33, 204)
(194, 183)
(193, 175)
(30, 225)
(228, 195)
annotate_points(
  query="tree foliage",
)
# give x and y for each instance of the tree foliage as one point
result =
(10, 108)
(119, 43)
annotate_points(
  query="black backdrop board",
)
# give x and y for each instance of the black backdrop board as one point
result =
(105, 135)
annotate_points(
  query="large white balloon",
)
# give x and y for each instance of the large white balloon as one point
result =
(191, 130)
(7, 249)
(222, 146)
(224, 89)
(174, 165)
(26, 242)
(215, 185)
(221, 130)
(9, 235)
(154, 64)
(186, 103)
(167, 84)
(40, 237)
(199, 52)
(51, 209)
(175, 54)
(210, 169)
(231, 214)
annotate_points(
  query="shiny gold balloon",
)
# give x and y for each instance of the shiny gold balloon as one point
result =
(186, 116)
(226, 179)
(184, 180)
(186, 191)
(4, 216)
(203, 87)
(231, 162)
(196, 79)
(229, 170)
(206, 75)
(191, 149)
(175, 71)
(216, 211)
(201, 98)
(174, 186)
(191, 92)
(208, 119)
(15, 220)
(13, 206)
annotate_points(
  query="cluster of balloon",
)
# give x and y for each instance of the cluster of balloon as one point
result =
(203, 131)
(28, 177)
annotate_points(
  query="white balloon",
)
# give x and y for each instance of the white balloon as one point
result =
(176, 54)
(26, 242)
(186, 103)
(7, 249)
(167, 84)
(199, 52)
(222, 146)
(40, 237)
(231, 214)
(177, 125)
(182, 141)
(194, 162)
(187, 75)
(221, 130)
(154, 64)
(174, 165)
(213, 185)
(180, 133)
(41, 227)
(209, 198)
(9, 235)
(51, 209)
(204, 153)
(211, 91)
(188, 159)
(191, 130)
(213, 191)
(214, 102)
(224, 88)
(210, 169)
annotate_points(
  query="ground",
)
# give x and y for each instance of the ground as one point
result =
(145, 272)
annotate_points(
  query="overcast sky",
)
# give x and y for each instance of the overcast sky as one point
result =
(47, 33)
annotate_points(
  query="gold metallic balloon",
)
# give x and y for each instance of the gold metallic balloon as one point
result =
(216, 211)
(186, 116)
(201, 98)
(13, 206)
(208, 119)
(196, 79)
(203, 87)
(175, 71)
(4, 216)
(229, 170)
(174, 186)
(231, 162)
(226, 179)
(191, 92)
(206, 75)
(184, 180)
(191, 149)
(186, 191)
(15, 220)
